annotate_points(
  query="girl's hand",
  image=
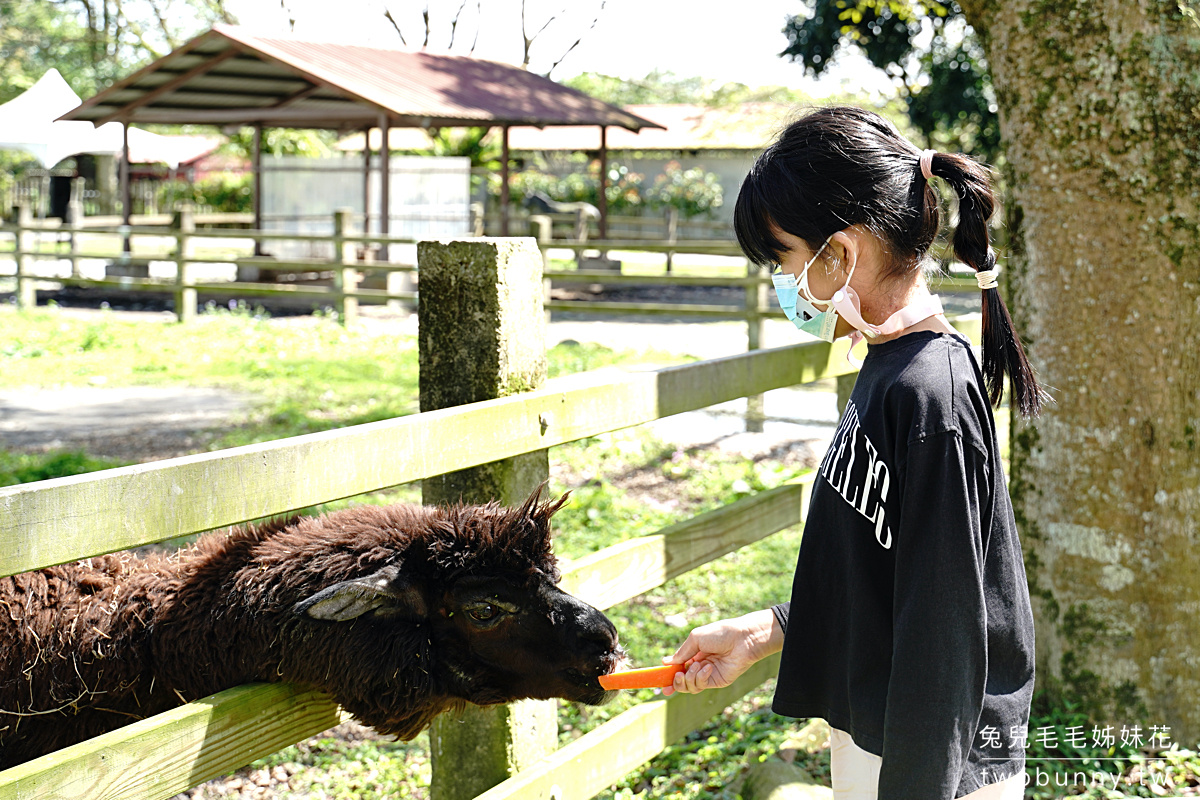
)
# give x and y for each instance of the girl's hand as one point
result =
(718, 653)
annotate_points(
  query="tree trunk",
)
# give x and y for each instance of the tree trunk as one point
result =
(1100, 113)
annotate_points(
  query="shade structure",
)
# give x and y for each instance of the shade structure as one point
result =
(231, 76)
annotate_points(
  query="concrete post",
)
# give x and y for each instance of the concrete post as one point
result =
(482, 336)
(756, 305)
(345, 272)
(184, 224)
(26, 290)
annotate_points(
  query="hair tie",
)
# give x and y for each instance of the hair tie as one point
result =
(987, 278)
(927, 163)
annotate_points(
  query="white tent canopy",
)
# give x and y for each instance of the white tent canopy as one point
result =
(29, 123)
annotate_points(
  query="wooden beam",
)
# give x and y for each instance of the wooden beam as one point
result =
(126, 188)
(163, 755)
(367, 180)
(625, 570)
(281, 117)
(256, 178)
(295, 97)
(602, 196)
(385, 182)
(169, 86)
(599, 759)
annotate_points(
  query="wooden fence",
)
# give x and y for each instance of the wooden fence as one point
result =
(60, 520)
(353, 255)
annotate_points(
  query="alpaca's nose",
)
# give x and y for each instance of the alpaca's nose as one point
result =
(591, 626)
(599, 629)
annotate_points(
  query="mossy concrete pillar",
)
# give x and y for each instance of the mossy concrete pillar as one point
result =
(482, 335)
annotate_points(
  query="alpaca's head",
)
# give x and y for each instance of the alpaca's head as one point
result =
(471, 603)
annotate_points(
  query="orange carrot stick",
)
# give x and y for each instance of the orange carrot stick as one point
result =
(648, 678)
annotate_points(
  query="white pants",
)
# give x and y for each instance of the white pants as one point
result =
(856, 774)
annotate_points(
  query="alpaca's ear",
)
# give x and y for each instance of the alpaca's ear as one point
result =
(382, 594)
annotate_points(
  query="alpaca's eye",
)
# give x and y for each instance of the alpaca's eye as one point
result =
(482, 612)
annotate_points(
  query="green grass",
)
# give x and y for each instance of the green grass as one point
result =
(305, 375)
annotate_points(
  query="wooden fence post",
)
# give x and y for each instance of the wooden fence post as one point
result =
(184, 224)
(543, 225)
(26, 290)
(482, 336)
(345, 272)
(756, 305)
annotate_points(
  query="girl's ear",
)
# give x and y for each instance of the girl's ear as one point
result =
(845, 249)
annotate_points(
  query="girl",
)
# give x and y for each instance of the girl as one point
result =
(913, 634)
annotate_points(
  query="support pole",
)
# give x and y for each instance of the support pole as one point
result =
(184, 224)
(256, 168)
(126, 188)
(482, 335)
(367, 180)
(385, 184)
(504, 180)
(602, 223)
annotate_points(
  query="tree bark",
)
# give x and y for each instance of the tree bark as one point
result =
(1100, 114)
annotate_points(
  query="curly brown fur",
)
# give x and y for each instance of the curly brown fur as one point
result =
(379, 606)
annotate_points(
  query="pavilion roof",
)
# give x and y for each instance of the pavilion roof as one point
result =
(230, 76)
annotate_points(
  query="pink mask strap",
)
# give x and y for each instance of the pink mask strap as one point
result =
(843, 304)
(904, 318)
(912, 314)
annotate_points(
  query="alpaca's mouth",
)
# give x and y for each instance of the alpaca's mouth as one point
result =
(587, 678)
(591, 692)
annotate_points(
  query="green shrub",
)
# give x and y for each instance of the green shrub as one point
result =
(695, 192)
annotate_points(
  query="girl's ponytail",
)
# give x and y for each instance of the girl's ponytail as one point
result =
(1002, 350)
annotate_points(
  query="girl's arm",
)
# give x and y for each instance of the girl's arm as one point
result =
(939, 628)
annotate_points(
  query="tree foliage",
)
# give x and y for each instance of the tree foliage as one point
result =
(94, 42)
(932, 55)
(664, 86)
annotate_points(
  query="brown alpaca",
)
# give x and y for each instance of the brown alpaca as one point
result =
(399, 612)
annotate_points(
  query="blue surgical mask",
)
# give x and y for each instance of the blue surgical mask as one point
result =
(800, 310)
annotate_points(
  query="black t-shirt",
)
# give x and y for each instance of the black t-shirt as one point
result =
(912, 628)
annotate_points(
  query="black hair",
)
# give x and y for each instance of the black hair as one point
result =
(841, 166)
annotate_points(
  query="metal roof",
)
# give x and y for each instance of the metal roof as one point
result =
(685, 127)
(230, 76)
